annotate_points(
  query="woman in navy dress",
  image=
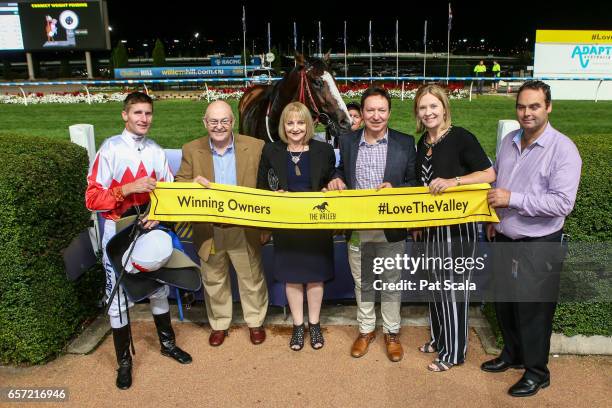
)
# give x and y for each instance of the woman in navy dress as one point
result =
(297, 163)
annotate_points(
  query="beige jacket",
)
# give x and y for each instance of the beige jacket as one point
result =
(197, 161)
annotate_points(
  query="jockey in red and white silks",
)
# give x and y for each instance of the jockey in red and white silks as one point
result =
(123, 159)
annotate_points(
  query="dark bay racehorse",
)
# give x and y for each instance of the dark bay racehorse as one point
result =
(309, 83)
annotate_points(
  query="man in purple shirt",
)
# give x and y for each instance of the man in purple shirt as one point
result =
(538, 171)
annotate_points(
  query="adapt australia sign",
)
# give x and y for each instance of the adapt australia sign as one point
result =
(575, 54)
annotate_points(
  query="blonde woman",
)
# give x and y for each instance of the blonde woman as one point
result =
(298, 163)
(447, 156)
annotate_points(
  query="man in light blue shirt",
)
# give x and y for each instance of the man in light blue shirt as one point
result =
(224, 163)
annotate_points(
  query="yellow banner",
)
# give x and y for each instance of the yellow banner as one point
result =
(406, 207)
(574, 36)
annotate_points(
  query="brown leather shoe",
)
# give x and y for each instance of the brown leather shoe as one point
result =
(258, 334)
(394, 347)
(216, 337)
(360, 346)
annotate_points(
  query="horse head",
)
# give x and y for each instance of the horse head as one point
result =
(318, 91)
(309, 83)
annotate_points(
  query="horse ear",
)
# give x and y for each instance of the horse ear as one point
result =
(326, 58)
(299, 58)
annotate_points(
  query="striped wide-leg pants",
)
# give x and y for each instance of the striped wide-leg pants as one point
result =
(448, 310)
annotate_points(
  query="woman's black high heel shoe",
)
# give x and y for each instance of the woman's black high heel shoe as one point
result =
(316, 337)
(297, 338)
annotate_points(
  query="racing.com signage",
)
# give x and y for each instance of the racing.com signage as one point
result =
(180, 72)
(237, 60)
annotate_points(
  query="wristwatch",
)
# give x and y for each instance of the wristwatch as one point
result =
(458, 180)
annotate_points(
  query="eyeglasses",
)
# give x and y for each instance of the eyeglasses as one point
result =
(215, 122)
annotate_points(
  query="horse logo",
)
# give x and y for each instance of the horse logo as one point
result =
(321, 207)
(272, 180)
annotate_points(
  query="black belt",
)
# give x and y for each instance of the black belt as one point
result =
(554, 237)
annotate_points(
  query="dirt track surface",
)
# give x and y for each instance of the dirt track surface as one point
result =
(271, 375)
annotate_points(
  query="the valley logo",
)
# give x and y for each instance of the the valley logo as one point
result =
(321, 212)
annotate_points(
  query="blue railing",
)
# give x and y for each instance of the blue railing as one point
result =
(95, 82)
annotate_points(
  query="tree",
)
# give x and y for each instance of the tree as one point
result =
(159, 54)
(120, 56)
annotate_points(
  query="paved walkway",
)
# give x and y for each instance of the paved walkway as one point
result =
(271, 375)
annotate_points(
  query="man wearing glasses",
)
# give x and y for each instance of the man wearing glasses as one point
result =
(227, 158)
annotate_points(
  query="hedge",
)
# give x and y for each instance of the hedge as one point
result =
(590, 222)
(42, 185)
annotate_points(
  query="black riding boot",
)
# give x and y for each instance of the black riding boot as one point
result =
(121, 338)
(167, 339)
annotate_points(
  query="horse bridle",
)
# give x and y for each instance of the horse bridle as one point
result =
(305, 89)
(305, 97)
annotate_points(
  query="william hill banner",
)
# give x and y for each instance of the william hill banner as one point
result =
(406, 207)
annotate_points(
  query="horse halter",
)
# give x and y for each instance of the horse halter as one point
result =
(322, 117)
(304, 97)
(305, 91)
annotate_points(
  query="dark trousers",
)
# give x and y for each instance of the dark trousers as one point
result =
(527, 326)
(479, 85)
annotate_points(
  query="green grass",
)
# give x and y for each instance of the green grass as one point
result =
(177, 122)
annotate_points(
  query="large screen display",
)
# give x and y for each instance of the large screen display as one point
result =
(10, 27)
(56, 25)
